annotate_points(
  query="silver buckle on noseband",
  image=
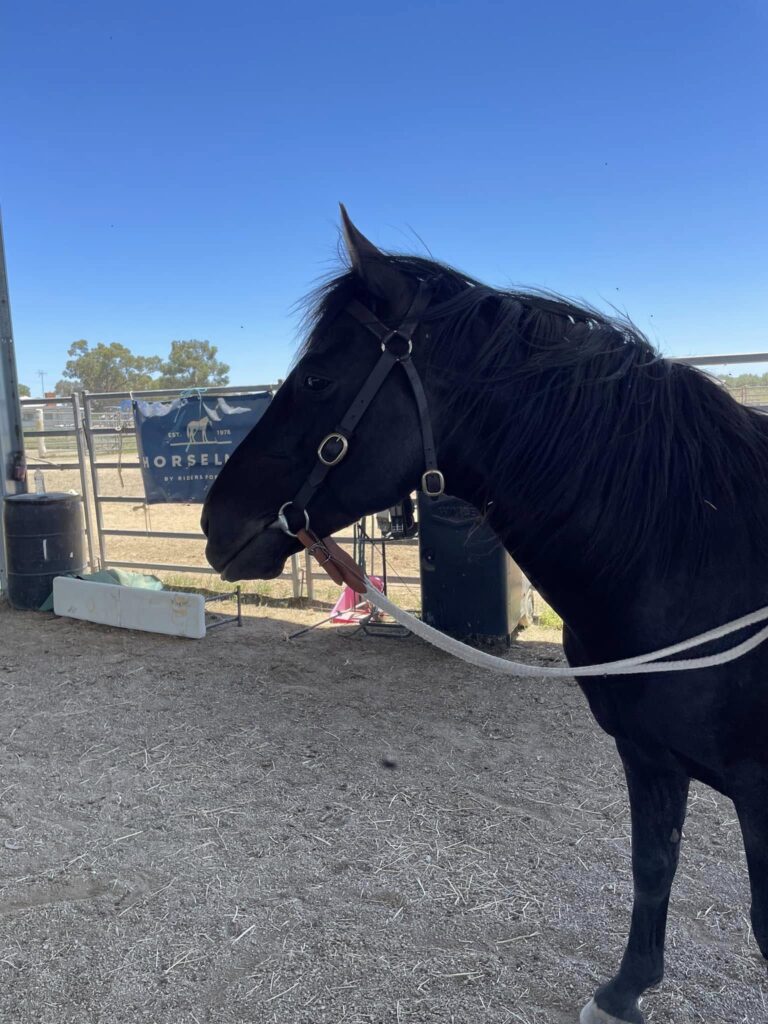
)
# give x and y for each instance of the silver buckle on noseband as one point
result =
(284, 522)
(433, 483)
(336, 459)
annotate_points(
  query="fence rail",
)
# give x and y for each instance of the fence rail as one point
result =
(97, 427)
(100, 427)
(93, 427)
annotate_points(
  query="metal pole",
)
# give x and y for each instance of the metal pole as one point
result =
(89, 440)
(722, 360)
(295, 576)
(13, 475)
(81, 457)
(42, 451)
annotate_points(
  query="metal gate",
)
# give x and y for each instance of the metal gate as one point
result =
(55, 425)
(93, 433)
(90, 434)
(111, 441)
(93, 436)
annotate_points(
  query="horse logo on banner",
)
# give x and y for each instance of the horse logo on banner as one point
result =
(198, 426)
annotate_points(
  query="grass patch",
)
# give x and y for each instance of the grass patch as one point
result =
(276, 593)
(548, 616)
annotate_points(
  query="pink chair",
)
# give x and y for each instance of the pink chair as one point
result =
(350, 608)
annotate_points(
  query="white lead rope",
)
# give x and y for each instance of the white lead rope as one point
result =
(642, 663)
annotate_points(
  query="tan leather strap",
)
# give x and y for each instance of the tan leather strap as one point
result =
(339, 565)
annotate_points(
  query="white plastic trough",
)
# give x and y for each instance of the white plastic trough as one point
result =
(154, 611)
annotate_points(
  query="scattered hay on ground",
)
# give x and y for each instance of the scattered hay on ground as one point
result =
(333, 829)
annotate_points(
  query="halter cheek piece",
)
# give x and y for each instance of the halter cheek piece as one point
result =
(396, 347)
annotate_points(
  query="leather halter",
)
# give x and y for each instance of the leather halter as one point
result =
(396, 347)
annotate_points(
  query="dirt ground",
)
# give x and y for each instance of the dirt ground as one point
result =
(329, 829)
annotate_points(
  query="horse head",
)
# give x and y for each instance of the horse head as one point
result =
(384, 459)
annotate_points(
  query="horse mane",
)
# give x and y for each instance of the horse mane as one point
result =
(659, 451)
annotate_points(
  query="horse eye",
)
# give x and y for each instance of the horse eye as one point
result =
(313, 383)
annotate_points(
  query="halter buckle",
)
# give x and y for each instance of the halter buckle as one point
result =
(433, 483)
(335, 459)
(281, 518)
(404, 355)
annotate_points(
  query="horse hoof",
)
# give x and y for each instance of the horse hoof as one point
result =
(592, 1014)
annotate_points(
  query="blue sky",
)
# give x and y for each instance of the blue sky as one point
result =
(171, 170)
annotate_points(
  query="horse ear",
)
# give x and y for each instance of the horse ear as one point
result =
(378, 271)
(359, 249)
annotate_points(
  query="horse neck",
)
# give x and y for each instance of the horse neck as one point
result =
(605, 594)
(556, 552)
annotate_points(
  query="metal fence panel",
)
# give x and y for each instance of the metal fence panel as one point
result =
(55, 424)
(108, 431)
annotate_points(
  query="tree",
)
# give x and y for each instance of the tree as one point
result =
(107, 368)
(193, 364)
(24, 391)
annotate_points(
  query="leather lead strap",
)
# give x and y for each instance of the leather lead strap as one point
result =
(339, 565)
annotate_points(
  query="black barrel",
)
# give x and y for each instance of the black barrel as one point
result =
(470, 588)
(44, 537)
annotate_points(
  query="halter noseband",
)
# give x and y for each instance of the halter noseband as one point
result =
(396, 347)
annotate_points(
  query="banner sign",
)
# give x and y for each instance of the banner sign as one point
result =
(183, 444)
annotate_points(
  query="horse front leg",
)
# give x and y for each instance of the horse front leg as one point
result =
(749, 787)
(658, 793)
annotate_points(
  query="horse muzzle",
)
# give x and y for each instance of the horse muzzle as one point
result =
(261, 554)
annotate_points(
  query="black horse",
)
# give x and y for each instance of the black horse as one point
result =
(630, 488)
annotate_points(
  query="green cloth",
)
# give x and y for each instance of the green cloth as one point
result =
(118, 577)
